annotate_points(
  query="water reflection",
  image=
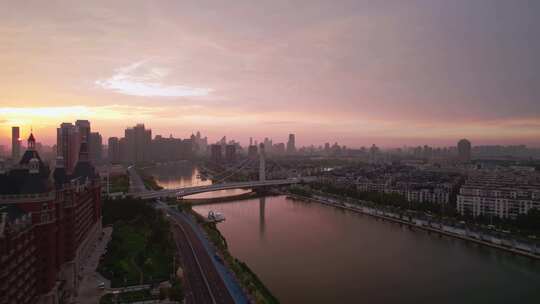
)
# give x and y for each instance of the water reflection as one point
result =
(262, 207)
(309, 253)
(186, 174)
(178, 175)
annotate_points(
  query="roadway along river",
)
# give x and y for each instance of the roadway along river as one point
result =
(309, 253)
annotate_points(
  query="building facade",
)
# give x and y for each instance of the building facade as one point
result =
(95, 146)
(138, 142)
(113, 150)
(502, 195)
(230, 153)
(49, 224)
(216, 153)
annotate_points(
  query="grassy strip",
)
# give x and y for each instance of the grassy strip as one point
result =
(141, 250)
(247, 278)
(149, 181)
(119, 183)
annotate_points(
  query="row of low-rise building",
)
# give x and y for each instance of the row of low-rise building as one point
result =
(414, 192)
(414, 184)
(48, 225)
(504, 193)
(499, 194)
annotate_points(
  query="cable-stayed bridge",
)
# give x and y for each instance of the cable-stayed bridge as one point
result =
(180, 192)
(221, 184)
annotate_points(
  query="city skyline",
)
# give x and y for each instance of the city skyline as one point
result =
(359, 73)
(266, 152)
(281, 140)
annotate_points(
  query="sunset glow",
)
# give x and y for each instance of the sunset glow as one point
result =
(391, 73)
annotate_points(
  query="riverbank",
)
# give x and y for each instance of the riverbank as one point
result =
(250, 282)
(454, 232)
(149, 180)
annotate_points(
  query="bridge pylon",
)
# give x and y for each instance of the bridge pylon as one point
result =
(262, 163)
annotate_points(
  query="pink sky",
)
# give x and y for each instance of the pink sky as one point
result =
(393, 73)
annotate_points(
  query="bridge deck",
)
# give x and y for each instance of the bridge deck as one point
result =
(179, 192)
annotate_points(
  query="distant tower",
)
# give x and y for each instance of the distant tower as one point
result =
(262, 163)
(464, 150)
(291, 144)
(15, 144)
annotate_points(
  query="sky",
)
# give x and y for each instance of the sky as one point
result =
(358, 72)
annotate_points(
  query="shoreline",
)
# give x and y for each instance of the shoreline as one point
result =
(411, 225)
(250, 283)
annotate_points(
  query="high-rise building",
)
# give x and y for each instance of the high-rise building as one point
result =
(230, 153)
(83, 126)
(464, 150)
(95, 145)
(215, 153)
(291, 144)
(113, 150)
(15, 143)
(138, 142)
(172, 149)
(68, 141)
(268, 145)
(253, 152)
(279, 148)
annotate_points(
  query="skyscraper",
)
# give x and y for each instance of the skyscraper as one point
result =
(15, 144)
(95, 144)
(114, 149)
(291, 145)
(67, 144)
(84, 130)
(464, 150)
(216, 154)
(230, 153)
(138, 141)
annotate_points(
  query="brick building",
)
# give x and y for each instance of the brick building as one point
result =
(48, 225)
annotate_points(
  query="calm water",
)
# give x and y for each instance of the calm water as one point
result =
(309, 253)
(186, 175)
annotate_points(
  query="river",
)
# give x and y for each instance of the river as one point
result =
(310, 253)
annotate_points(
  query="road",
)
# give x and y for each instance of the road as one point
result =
(204, 284)
(89, 292)
(136, 183)
(203, 280)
